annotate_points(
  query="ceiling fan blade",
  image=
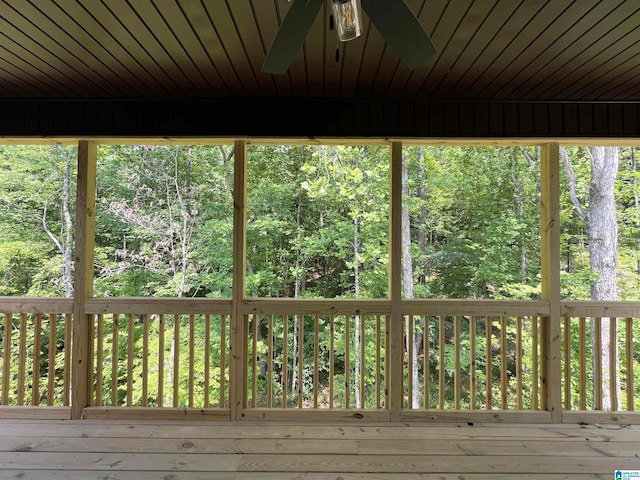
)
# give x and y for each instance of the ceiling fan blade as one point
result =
(291, 35)
(401, 29)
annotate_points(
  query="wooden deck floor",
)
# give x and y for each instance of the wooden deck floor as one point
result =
(110, 450)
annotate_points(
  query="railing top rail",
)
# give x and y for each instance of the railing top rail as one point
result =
(275, 306)
(158, 305)
(600, 309)
(42, 305)
(322, 306)
(475, 307)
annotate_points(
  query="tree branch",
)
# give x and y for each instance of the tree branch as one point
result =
(572, 184)
(49, 233)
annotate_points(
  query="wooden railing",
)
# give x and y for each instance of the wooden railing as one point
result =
(317, 354)
(35, 353)
(477, 355)
(160, 354)
(308, 358)
(601, 374)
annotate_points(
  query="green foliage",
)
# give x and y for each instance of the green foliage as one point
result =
(165, 221)
(475, 221)
(32, 184)
(317, 221)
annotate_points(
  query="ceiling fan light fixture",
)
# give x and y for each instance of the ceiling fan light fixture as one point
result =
(348, 18)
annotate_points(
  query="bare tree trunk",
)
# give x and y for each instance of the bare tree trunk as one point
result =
(422, 196)
(180, 259)
(636, 199)
(64, 244)
(357, 333)
(407, 282)
(602, 230)
(602, 233)
(68, 227)
(519, 204)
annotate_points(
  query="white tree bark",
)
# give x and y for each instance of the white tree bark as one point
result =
(602, 233)
(63, 243)
(407, 283)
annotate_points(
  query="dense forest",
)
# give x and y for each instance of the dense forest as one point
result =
(317, 224)
(317, 221)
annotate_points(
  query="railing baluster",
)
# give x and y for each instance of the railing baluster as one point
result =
(387, 392)
(223, 360)
(6, 357)
(363, 365)
(37, 346)
(519, 363)
(207, 360)
(66, 375)
(285, 360)
(161, 327)
(489, 366)
(472, 358)
(582, 346)
(613, 362)
(91, 352)
(145, 360)
(300, 358)
(114, 360)
(408, 320)
(270, 363)
(130, 345)
(192, 353)
(254, 360)
(177, 319)
(597, 376)
(534, 363)
(347, 361)
(99, 359)
(51, 374)
(332, 333)
(503, 362)
(377, 372)
(456, 368)
(567, 363)
(316, 355)
(22, 358)
(629, 364)
(441, 366)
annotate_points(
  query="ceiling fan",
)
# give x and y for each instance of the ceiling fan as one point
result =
(395, 21)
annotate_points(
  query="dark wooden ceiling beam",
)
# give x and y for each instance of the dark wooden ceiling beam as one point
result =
(330, 118)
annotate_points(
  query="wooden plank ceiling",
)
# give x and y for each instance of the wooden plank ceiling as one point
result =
(487, 50)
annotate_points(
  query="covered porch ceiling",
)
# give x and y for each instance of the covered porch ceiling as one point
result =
(193, 67)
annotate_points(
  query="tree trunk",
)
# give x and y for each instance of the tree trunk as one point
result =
(519, 204)
(407, 282)
(68, 227)
(602, 232)
(64, 244)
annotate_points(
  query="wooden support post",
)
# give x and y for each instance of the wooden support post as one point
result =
(83, 278)
(238, 337)
(550, 258)
(395, 382)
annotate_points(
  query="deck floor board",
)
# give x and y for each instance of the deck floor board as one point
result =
(157, 450)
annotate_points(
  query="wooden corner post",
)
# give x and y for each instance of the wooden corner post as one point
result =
(395, 382)
(237, 342)
(83, 278)
(550, 258)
